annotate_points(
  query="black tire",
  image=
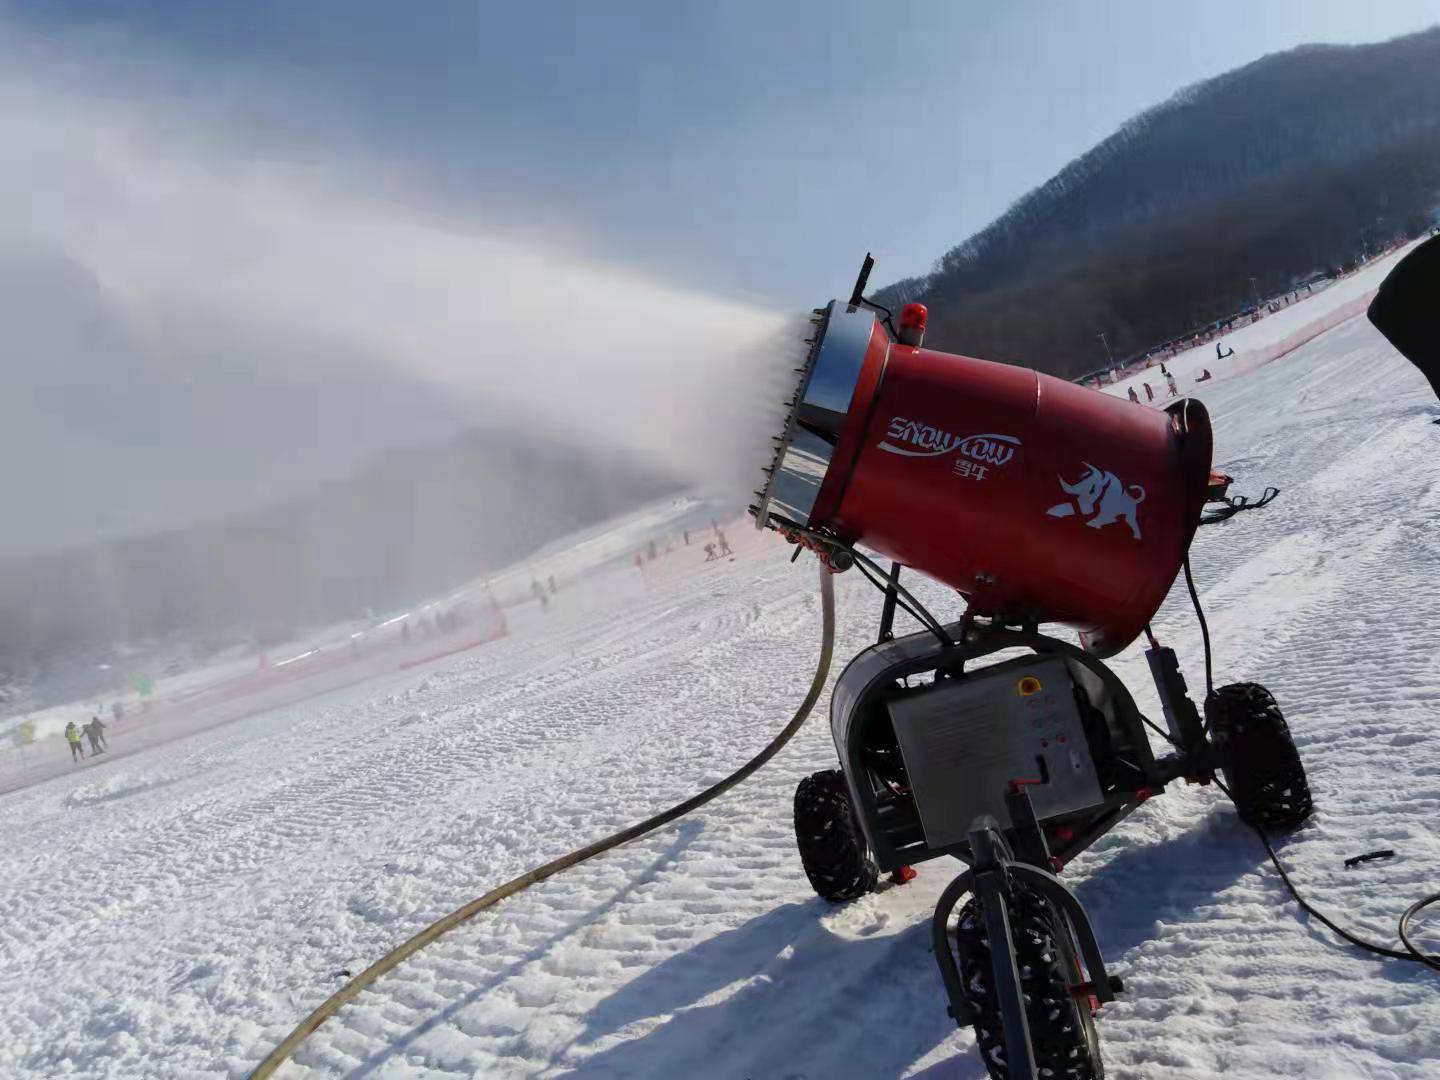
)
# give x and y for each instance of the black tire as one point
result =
(1062, 1029)
(1263, 769)
(832, 848)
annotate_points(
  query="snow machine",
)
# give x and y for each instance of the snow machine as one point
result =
(1039, 501)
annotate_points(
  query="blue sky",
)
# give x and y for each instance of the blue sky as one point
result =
(758, 147)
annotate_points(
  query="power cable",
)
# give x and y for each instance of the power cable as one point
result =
(1410, 952)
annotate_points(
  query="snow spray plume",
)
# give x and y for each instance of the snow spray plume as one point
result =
(209, 329)
(194, 259)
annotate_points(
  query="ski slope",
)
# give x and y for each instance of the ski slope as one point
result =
(175, 913)
(1254, 344)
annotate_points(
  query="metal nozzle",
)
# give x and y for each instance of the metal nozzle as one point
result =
(816, 414)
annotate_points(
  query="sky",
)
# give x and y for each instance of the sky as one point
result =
(252, 244)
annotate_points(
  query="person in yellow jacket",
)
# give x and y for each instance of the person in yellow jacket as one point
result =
(73, 736)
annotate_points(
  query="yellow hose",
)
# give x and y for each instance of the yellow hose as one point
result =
(392, 959)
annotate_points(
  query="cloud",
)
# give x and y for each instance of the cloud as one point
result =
(200, 317)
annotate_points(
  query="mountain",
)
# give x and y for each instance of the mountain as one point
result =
(1301, 162)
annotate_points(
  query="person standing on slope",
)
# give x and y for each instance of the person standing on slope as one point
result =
(95, 731)
(1133, 396)
(1170, 382)
(72, 736)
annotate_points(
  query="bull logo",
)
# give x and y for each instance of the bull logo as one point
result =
(1101, 498)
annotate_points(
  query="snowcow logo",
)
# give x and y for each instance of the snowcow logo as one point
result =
(910, 438)
(1103, 499)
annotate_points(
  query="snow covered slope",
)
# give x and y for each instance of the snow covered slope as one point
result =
(174, 914)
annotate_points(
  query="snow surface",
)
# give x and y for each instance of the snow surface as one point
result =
(237, 686)
(175, 912)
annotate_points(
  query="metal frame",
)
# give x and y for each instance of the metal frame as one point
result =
(1000, 858)
(989, 880)
(873, 673)
(921, 654)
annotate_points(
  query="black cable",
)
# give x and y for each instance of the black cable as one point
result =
(927, 621)
(1236, 504)
(872, 572)
(917, 611)
(868, 575)
(1412, 954)
(888, 316)
(1204, 630)
(1161, 732)
(884, 586)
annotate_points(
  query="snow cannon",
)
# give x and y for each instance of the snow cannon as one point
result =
(983, 738)
(1039, 500)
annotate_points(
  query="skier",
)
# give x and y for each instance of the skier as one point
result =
(1222, 355)
(1133, 396)
(724, 544)
(1205, 375)
(95, 732)
(1170, 382)
(1149, 393)
(710, 552)
(72, 736)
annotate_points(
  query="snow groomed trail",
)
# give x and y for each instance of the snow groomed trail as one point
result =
(432, 933)
(176, 915)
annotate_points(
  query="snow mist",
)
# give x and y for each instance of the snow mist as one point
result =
(200, 254)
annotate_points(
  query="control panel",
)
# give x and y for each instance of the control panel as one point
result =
(965, 741)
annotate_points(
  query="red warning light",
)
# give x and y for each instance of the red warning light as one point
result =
(912, 324)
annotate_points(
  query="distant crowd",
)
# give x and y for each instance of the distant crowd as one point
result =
(1169, 382)
(94, 731)
(715, 550)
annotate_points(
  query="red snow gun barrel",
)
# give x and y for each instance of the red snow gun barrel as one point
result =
(1039, 500)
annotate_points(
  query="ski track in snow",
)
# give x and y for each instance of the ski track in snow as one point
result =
(175, 913)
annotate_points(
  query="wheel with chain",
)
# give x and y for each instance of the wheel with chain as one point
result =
(1263, 769)
(1062, 1028)
(832, 846)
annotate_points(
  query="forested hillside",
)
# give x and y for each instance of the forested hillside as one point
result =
(1299, 163)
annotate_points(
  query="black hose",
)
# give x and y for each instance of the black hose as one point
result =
(1429, 960)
